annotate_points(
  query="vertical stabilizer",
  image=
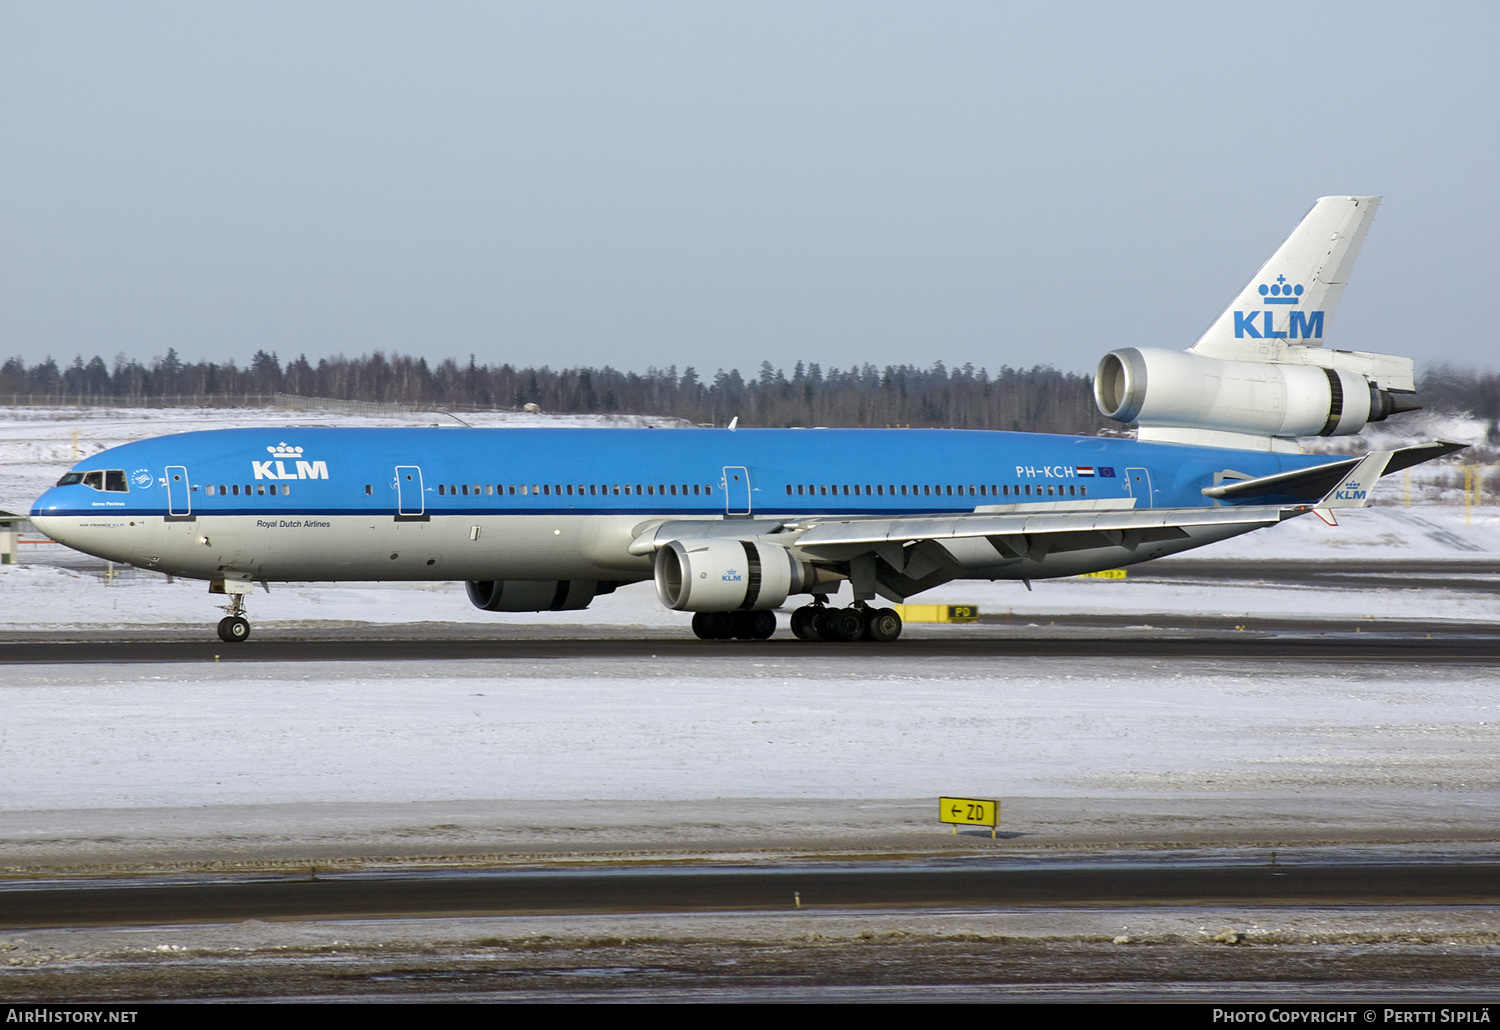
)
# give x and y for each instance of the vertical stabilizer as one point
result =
(1293, 297)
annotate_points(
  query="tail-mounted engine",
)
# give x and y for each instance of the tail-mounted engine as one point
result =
(1184, 397)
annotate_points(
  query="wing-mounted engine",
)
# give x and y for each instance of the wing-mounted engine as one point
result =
(720, 575)
(529, 595)
(1259, 376)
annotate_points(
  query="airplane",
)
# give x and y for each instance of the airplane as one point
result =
(730, 523)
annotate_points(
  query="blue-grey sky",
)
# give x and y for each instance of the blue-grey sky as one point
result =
(717, 184)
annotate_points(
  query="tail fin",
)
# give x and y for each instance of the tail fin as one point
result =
(1293, 297)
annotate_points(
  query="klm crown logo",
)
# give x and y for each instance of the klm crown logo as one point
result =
(1281, 292)
(281, 450)
(1268, 324)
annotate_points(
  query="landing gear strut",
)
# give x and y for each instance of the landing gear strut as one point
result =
(234, 627)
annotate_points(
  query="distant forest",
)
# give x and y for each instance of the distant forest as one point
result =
(1038, 399)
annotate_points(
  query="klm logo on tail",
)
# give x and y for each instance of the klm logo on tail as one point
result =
(280, 455)
(1260, 325)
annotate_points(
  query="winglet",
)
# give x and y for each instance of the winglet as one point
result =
(1353, 490)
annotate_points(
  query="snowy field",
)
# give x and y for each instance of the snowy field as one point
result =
(697, 728)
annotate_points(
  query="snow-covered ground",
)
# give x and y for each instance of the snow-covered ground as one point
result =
(701, 728)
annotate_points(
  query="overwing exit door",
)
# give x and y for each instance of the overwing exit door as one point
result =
(1138, 482)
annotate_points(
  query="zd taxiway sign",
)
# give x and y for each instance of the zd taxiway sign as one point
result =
(969, 812)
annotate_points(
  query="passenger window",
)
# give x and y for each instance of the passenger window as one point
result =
(260, 491)
(284, 490)
(674, 489)
(273, 489)
(1083, 490)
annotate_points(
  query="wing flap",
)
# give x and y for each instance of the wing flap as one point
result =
(837, 540)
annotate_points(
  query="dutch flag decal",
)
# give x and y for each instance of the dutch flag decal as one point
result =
(1085, 470)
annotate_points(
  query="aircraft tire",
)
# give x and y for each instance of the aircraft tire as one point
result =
(848, 624)
(233, 629)
(882, 625)
(765, 625)
(703, 627)
(823, 623)
(803, 627)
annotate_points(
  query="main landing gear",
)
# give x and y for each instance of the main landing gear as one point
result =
(814, 621)
(857, 622)
(734, 625)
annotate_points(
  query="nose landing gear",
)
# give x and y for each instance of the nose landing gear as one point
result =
(233, 627)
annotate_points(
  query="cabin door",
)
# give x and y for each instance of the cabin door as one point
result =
(409, 497)
(1138, 482)
(179, 493)
(736, 490)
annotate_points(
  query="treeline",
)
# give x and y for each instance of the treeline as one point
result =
(1039, 399)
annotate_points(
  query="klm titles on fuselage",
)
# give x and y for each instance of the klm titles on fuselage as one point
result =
(280, 454)
(1301, 325)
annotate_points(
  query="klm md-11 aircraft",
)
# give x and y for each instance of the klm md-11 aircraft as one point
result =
(731, 523)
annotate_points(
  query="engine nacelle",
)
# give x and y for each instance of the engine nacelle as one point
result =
(725, 575)
(1179, 389)
(532, 595)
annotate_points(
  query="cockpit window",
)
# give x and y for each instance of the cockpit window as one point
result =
(110, 480)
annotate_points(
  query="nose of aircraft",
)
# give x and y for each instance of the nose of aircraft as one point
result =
(43, 517)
